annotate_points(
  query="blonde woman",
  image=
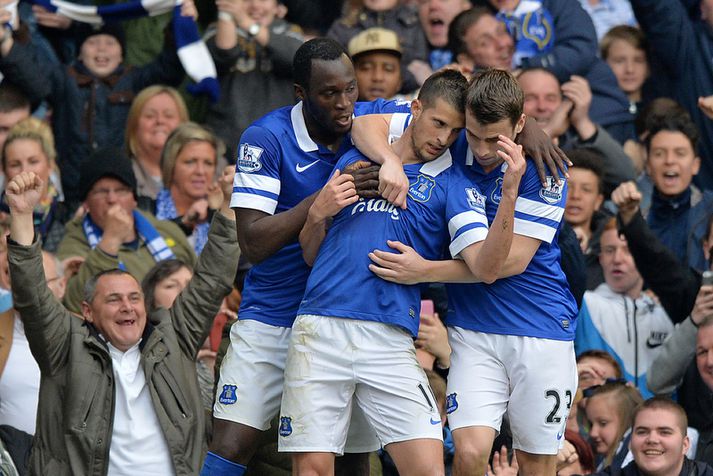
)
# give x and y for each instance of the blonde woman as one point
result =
(155, 112)
(190, 195)
(29, 147)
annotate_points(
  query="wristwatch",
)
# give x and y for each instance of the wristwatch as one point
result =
(254, 29)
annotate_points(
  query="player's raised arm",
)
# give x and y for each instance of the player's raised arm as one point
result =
(370, 134)
(487, 258)
(338, 193)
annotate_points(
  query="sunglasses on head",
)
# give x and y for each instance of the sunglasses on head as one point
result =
(588, 392)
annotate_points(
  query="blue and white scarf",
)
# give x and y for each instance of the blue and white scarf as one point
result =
(166, 210)
(154, 241)
(191, 49)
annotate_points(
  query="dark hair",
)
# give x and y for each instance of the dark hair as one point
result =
(494, 95)
(324, 49)
(160, 271)
(11, 98)
(603, 355)
(675, 123)
(588, 159)
(655, 112)
(664, 403)
(449, 85)
(460, 26)
(90, 286)
(631, 34)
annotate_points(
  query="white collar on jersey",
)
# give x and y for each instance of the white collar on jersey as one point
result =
(435, 167)
(469, 161)
(300, 128)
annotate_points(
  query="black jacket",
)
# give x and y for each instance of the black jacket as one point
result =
(690, 468)
(678, 286)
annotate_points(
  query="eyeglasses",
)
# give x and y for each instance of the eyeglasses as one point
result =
(588, 392)
(104, 192)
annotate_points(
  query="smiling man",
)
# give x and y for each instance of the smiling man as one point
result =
(118, 389)
(659, 442)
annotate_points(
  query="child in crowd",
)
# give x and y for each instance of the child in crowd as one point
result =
(610, 409)
(624, 49)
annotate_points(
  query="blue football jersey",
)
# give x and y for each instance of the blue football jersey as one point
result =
(279, 165)
(445, 211)
(536, 303)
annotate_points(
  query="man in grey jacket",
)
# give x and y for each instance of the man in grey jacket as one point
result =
(685, 365)
(118, 390)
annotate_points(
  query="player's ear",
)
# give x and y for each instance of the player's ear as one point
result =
(416, 108)
(300, 92)
(520, 124)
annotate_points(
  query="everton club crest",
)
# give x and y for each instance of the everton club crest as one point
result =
(421, 189)
(285, 426)
(228, 395)
(451, 403)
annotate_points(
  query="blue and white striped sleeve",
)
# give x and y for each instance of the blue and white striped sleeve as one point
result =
(465, 211)
(539, 210)
(257, 172)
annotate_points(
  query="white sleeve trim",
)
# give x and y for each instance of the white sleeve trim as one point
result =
(254, 202)
(465, 218)
(466, 239)
(538, 209)
(534, 230)
(258, 182)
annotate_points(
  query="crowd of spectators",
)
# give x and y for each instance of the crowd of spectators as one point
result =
(133, 171)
